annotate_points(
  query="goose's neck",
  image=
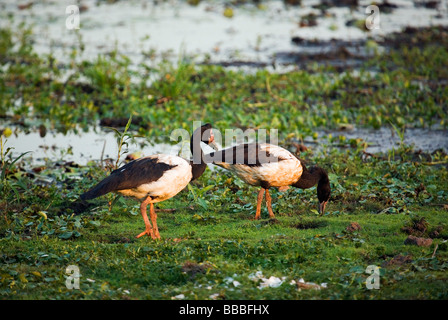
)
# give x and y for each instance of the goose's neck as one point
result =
(198, 165)
(311, 177)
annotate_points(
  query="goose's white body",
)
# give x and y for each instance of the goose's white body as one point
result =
(168, 185)
(155, 178)
(277, 174)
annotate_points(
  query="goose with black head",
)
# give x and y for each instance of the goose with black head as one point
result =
(156, 178)
(266, 165)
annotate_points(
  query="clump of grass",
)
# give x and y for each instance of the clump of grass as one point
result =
(419, 227)
(7, 186)
(122, 141)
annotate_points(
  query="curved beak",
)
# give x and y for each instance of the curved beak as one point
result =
(322, 206)
(212, 143)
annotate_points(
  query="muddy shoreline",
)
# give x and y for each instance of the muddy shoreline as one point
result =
(258, 34)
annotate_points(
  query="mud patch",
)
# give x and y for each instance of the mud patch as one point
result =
(239, 64)
(416, 227)
(437, 232)
(192, 268)
(424, 141)
(353, 226)
(419, 37)
(418, 241)
(398, 260)
(340, 54)
(420, 232)
(304, 225)
(120, 122)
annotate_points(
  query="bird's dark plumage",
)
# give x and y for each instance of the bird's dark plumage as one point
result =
(249, 154)
(267, 166)
(131, 175)
(155, 178)
(311, 177)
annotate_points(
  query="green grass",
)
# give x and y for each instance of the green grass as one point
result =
(220, 238)
(202, 248)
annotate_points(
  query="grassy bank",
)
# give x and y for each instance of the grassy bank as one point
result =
(212, 248)
(216, 239)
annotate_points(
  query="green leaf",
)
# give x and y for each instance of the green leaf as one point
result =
(357, 269)
(202, 203)
(191, 188)
(118, 133)
(197, 217)
(128, 124)
(17, 159)
(66, 235)
(204, 190)
(95, 223)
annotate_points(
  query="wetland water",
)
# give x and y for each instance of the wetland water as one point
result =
(81, 147)
(97, 144)
(271, 36)
(152, 31)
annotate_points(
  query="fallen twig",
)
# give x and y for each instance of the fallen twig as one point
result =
(434, 163)
(435, 249)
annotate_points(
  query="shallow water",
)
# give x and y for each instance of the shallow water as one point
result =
(384, 139)
(151, 31)
(166, 30)
(82, 147)
(97, 144)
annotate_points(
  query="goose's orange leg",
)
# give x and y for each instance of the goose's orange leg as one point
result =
(153, 216)
(268, 204)
(148, 226)
(259, 199)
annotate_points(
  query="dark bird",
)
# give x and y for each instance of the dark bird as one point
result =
(267, 166)
(156, 178)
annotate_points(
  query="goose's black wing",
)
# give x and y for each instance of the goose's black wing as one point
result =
(131, 175)
(250, 154)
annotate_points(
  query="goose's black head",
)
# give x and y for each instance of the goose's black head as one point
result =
(202, 134)
(309, 179)
(206, 134)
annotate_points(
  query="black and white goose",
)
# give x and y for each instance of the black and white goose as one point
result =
(156, 178)
(266, 165)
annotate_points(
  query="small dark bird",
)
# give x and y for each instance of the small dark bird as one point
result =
(267, 166)
(156, 178)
